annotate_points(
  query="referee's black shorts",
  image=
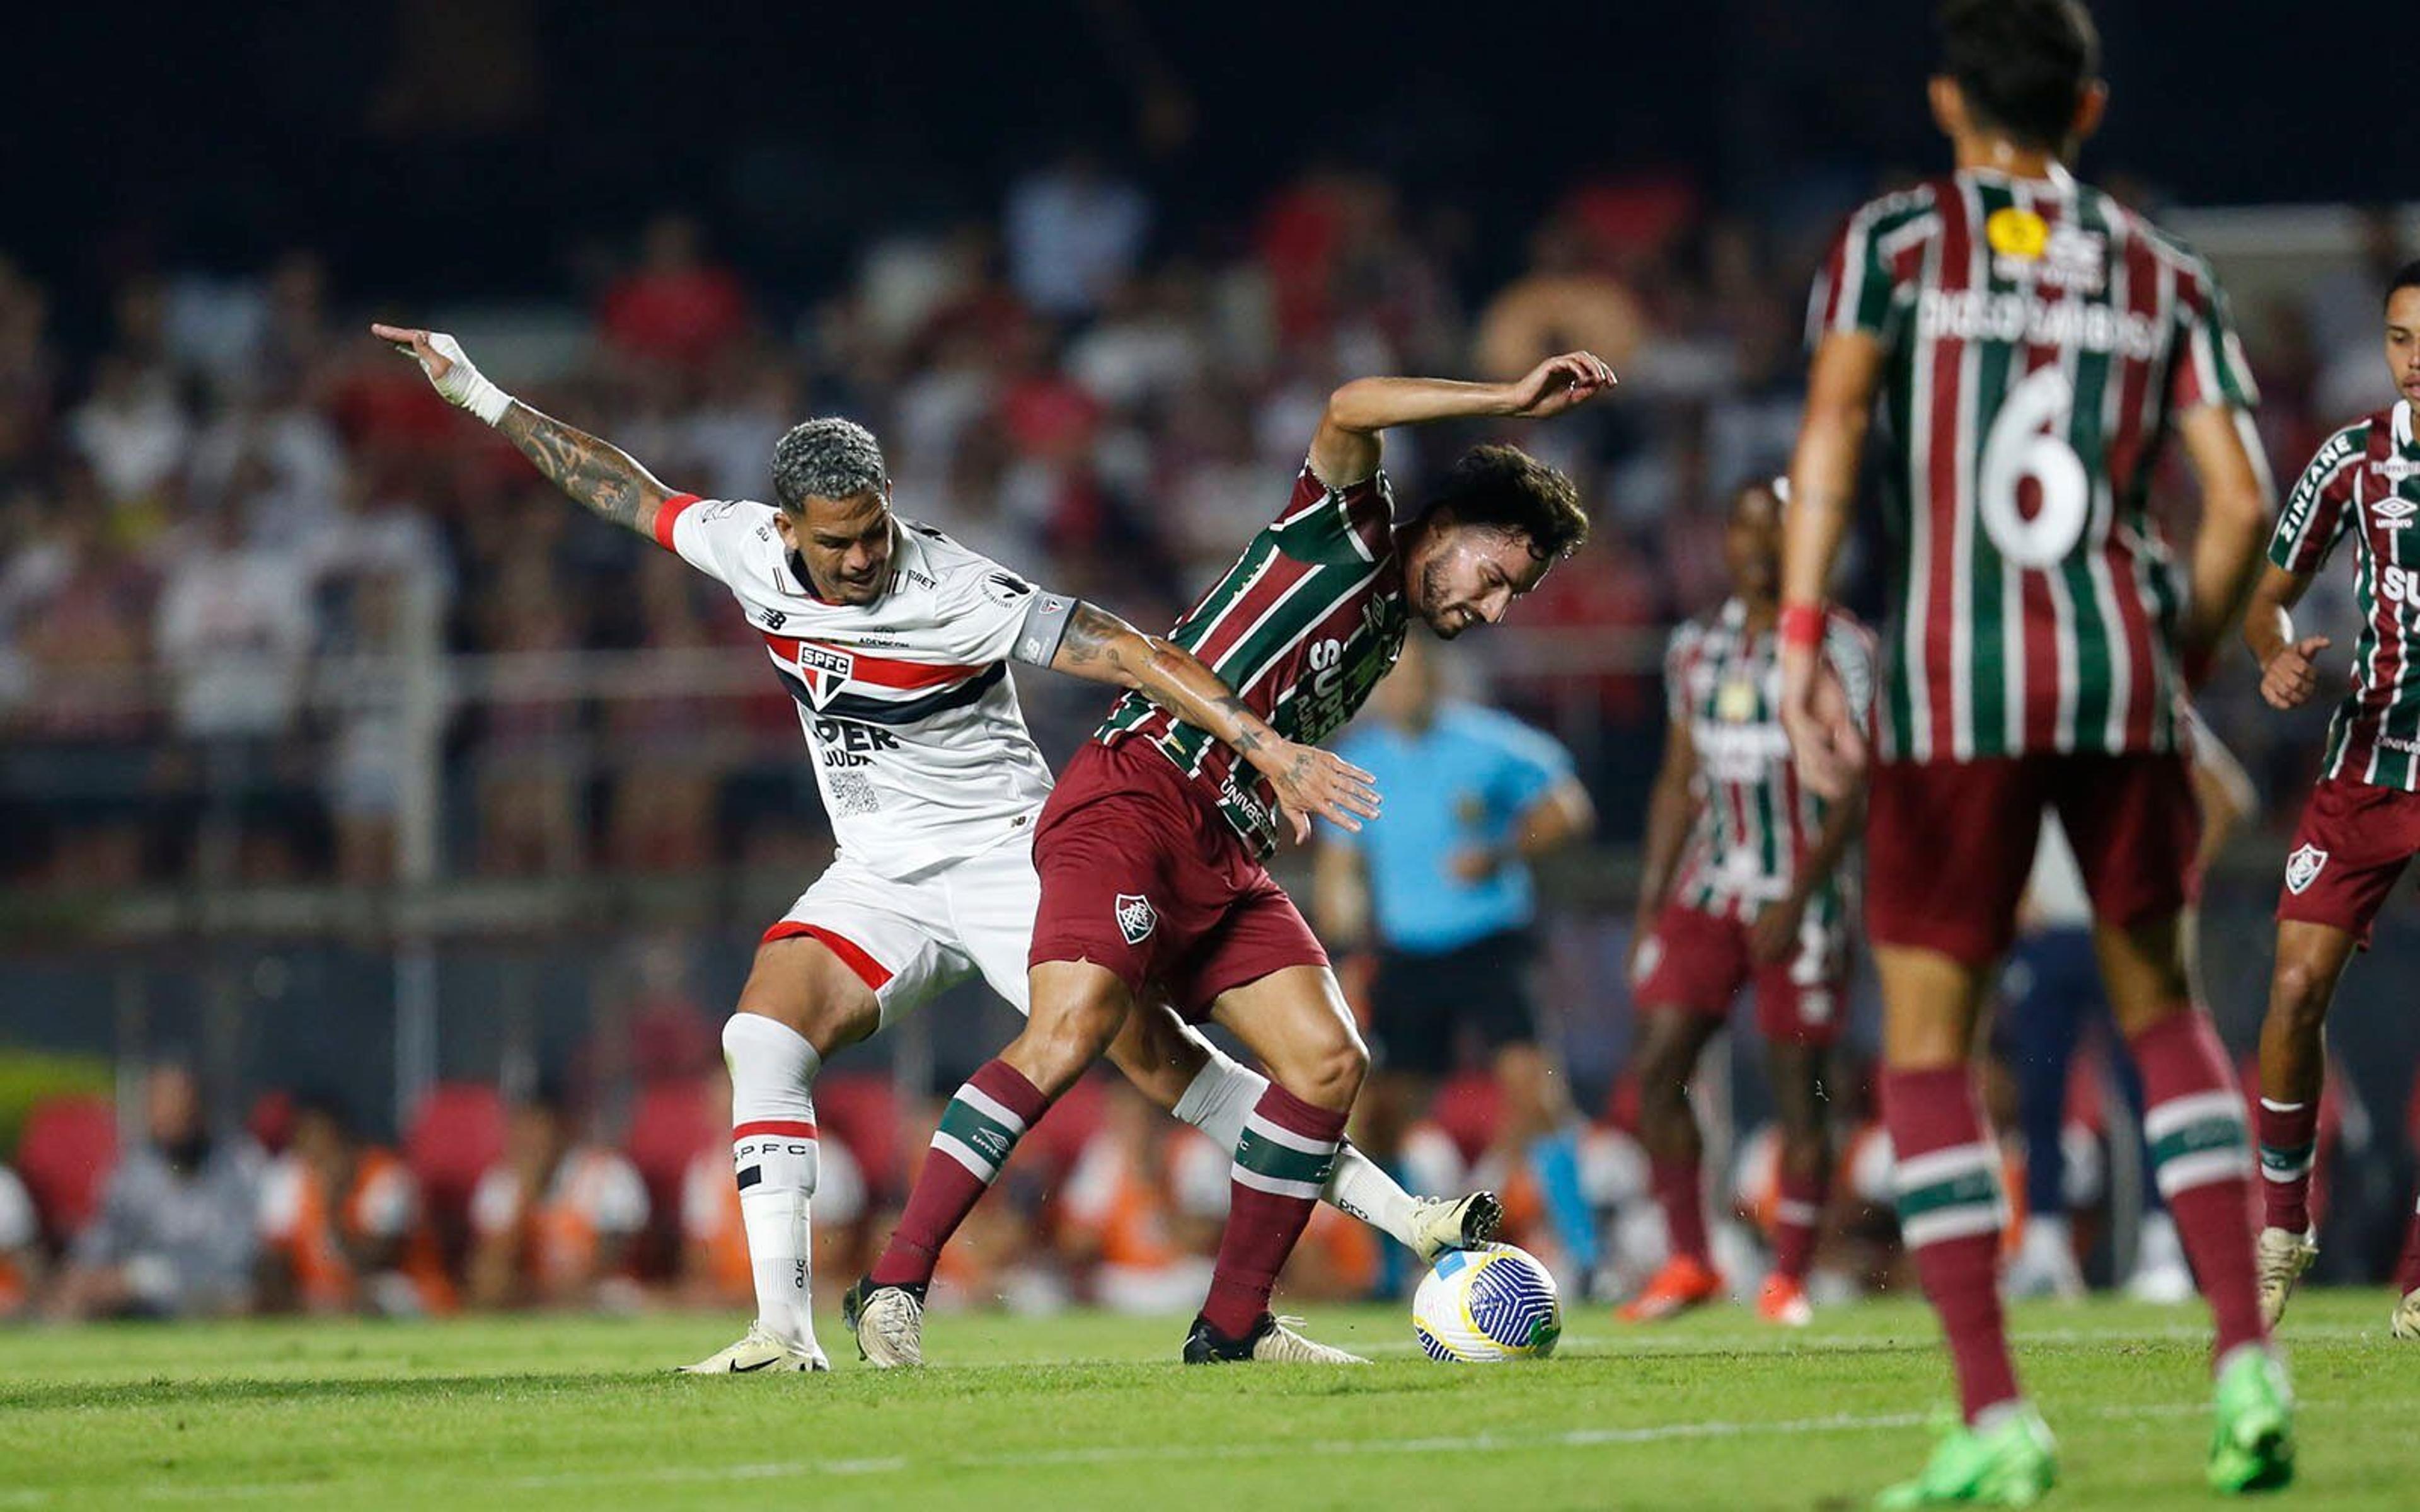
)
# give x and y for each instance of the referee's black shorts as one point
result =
(1425, 1005)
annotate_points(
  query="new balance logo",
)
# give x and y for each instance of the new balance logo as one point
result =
(1136, 920)
(2303, 867)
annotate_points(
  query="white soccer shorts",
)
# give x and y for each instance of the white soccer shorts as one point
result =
(912, 940)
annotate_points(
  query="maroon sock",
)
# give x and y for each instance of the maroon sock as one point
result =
(2407, 1270)
(1950, 1212)
(1681, 1193)
(1280, 1164)
(1795, 1215)
(2192, 1117)
(979, 1127)
(2289, 1142)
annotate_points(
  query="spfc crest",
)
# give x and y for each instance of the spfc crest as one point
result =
(1136, 920)
(824, 671)
(2303, 867)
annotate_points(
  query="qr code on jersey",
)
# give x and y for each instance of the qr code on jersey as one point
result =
(852, 792)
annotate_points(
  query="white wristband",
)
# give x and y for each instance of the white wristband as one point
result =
(464, 385)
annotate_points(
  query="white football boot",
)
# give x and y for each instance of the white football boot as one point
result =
(2281, 1257)
(889, 1323)
(2161, 1274)
(1443, 1224)
(2406, 1320)
(2044, 1263)
(758, 1351)
(1274, 1340)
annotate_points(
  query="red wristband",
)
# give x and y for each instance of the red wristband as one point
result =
(1802, 626)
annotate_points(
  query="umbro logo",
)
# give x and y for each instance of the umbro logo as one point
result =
(2394, 513)
(1136, 920)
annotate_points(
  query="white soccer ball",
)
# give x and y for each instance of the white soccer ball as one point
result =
(1480, 1305)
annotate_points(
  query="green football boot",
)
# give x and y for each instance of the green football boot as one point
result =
(2013, 1463)
(2253, 1447)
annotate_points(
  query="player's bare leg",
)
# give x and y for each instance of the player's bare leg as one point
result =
(2193, 1119)
(1171, 1064)
(1797, 1074)
(1078, 1009)
(1670, 1046)
(800, 1004)
(1296, 1022)
(2311, 959)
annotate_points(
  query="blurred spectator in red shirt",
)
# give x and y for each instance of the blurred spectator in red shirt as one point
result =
(676, 307)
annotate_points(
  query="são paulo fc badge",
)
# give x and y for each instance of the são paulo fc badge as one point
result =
(1135, 918)
(2303, 867)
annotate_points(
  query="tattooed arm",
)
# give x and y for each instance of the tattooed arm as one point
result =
(1102, 648)
(595, 474)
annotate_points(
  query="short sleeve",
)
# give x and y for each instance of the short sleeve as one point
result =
(2315, 515)
(1851, 651)
(986, 613)
(1858, 287)
(1321, 523)
(2210, 366)
(707, 533)
(1528, 764)
(1679, 652)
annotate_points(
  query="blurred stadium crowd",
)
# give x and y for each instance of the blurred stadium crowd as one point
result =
(216, 521)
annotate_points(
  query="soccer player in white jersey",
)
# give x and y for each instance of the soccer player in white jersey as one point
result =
(895, 640)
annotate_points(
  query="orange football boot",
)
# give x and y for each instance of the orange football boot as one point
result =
(1783, 1301)
(1684, 1282)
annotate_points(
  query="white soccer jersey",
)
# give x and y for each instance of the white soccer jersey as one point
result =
(920, 747)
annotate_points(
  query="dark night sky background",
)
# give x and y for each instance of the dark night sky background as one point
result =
(217, 134)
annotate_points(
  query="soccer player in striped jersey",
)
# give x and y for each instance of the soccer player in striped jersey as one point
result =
(1743, 886)
(2362, 822)
(2033, 343)
(894, 641)
(1152, 848)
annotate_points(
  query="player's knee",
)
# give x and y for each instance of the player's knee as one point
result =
(2299, 994)
(1331, 1076)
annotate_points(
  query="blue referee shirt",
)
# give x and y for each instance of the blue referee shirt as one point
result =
(1464, 781)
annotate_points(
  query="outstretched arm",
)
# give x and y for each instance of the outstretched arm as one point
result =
(2237, 509)
(1102, 648)
(1345, 450)
(592, 472)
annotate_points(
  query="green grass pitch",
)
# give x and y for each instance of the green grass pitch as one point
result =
(1087, 1411)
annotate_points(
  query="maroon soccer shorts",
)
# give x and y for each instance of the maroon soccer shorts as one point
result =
(2354, 841)
(1140, 874)
(1697, 962)
(1949, 844)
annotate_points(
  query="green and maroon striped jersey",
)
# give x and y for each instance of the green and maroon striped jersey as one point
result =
(2040, 342)
(1755, 823)
(2365, 483)
(1302, 627)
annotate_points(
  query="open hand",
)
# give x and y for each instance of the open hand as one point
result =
(2290, 678)
(1558, 383)
(1312, 782)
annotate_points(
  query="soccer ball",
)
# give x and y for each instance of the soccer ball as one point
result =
(1480, 1305)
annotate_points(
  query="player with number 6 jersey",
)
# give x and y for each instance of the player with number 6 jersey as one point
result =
(2032, 345)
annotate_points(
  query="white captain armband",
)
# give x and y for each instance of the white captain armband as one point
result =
(1045, 626)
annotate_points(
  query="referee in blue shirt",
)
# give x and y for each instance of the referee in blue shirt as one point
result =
(1440, 886)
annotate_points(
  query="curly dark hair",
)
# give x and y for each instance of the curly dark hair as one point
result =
(827, 457)
(1505, 489)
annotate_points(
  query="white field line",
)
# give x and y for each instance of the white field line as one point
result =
(1099, 1454)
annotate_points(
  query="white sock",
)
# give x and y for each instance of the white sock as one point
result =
(773, 1159)
(1223, 1092)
